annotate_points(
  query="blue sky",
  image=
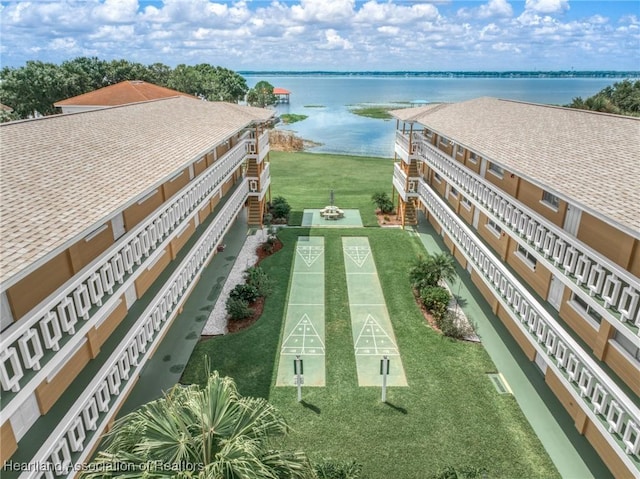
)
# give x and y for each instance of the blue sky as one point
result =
(341, 35)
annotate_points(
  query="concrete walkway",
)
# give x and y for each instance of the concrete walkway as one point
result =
(571, 452)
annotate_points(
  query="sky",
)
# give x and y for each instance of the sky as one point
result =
(330, 35)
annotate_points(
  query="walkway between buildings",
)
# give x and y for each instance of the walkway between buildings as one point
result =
(571, 452)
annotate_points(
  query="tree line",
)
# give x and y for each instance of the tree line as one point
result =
(33, 88)
(621, 98)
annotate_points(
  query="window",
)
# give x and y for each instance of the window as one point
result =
(473, 158)
(493, 226)
(527, 257)
(445, 141)
(496, 170)
(627, 344)
(581, 306)
(453, 192)
(466, 203)
(437, 177)
(459, 150)
(550, 200)
(428, 134)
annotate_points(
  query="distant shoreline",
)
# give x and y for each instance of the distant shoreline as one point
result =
(454, 74)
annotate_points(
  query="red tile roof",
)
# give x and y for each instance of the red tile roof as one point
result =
(123, 93)
(280, 91)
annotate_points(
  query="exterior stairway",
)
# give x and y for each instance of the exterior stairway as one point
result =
(255, 208)
(410, 214)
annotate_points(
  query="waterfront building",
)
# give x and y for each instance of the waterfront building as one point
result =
(123, 93)
(108, 219)
(281, 94)
(540, 205)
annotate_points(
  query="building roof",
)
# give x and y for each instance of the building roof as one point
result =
(64, 175)
(280, 91)
(123, 93)
(591, 159)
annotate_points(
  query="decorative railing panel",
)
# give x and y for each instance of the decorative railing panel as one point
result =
(615, 415)
(578, 265)
(38, 342)
(72, 440)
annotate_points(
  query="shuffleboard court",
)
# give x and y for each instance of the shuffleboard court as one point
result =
(303, 333)
(372, 331)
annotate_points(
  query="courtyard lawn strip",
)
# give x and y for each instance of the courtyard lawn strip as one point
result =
(372, 331)
(303, 331)
(451, 414)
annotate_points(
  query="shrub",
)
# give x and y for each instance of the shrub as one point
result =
(330, 469)
(248, 292)
(269, 245)
(430, 270)
(382, 201)
(238, 308)
(435, 299)
(256, 277)
(280, 208)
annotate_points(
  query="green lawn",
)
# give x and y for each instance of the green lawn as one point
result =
(305, 180)
(449, 415)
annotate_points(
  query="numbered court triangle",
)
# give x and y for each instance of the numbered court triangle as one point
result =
(358, 254)
(309, 253)
(303, 339)
(374, 340)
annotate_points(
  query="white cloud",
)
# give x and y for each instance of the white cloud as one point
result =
(493, 9)
(335, 42)
(116, 11)
(547, 6)
(323, 11)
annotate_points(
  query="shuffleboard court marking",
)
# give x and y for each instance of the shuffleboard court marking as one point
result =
(303, 329)
(358, 254)
(309, 253)
(372, 329)
(304, 339)
(373, 340)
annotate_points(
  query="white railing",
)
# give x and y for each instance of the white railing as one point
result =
(42, 339)
(608, 407)
(405, 186)
(265, 180)
(257, 149)
(263, 145)
(101, 399)
(579, 266)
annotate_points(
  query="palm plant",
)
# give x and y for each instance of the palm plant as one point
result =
(206, 433)
(430, 270)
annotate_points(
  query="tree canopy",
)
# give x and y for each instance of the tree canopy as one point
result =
(208, 432)
(262, 95)
(621, 98)
(33, 88)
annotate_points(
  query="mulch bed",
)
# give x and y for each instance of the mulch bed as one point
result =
(258, 305)
(388, 219)
(428, 317)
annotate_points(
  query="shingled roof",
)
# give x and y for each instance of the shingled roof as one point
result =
(589, 158)
(65, 175)
(123, 93)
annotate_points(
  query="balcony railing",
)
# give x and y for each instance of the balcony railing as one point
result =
(612, 412)
(35, 346)
(258, 186)
(406, 187)
(257, 150)
(71, 442)
(578, 266)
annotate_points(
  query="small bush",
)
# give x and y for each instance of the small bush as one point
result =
(435, 299)
(248, 292)
(280, 208)
(269, 245)
(238, 308)
(382, 201)
(256, 277)
(461, 472)
(330, 469)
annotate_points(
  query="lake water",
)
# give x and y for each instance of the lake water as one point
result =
(326, 100)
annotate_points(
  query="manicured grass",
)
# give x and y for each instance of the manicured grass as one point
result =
(305, 180)
(289, 118)
(449, 415)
